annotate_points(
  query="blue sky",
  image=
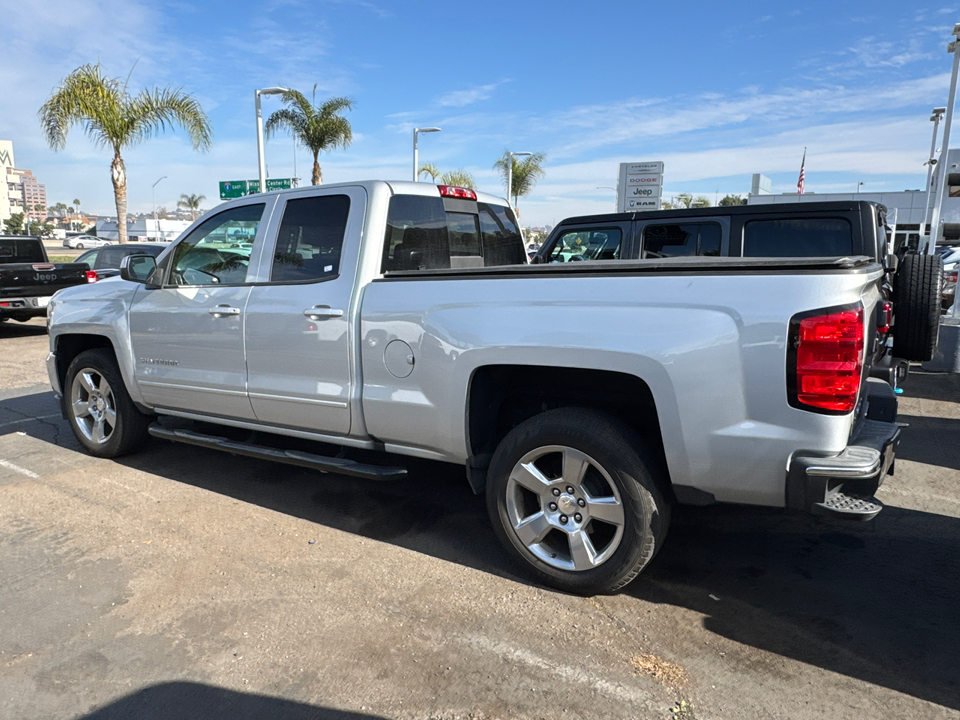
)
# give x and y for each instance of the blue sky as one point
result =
(717, 91)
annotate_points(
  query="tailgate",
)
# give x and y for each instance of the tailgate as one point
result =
(39, 279)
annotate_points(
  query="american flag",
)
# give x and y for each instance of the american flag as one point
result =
(800, 179)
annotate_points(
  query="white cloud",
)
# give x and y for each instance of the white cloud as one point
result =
(462, 98)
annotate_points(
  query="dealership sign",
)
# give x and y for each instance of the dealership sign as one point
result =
(640, 186)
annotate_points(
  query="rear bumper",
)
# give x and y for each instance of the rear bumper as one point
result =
(813, 480)
(24, 307)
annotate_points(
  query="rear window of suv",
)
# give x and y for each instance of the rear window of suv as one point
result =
(426, 233)
(798, 237)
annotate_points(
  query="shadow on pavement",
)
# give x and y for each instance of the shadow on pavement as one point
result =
(193, 701)
(874, 601)
(12, 328)
(932, 386)
(931, 440)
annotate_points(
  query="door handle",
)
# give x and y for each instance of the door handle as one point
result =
(321, 312)
(224, 311)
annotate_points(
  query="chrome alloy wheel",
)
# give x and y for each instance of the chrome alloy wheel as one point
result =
(93, 406)
(564, 508)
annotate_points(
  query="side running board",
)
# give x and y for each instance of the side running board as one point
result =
(290, 457)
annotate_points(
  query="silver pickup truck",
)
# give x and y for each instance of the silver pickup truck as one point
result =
(585, 399)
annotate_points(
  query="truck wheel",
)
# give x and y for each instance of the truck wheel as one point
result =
(100, 411)
(572, 495)
(917, 288)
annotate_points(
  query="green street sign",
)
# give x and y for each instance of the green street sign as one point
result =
(230, 189)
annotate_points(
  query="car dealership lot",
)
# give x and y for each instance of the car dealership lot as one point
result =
(182, 582)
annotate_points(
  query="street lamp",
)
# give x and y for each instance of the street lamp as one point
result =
(261, 163)
(935, 118)
(511, 156)
(417, 131)
(942, 170)
(858, 186)
(154, 191)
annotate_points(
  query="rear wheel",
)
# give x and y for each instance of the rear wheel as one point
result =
(572, 494)
(101, 413)
(917, 288)
(79, 246)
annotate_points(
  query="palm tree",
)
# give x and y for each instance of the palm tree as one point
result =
(191, 203)
(76, 204)
(526, 172)
(459, 178)
(429, 169)
(316, 128)
(113, 118)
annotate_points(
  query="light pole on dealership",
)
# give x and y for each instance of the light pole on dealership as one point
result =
(156, 229)
(417, 131)
(510, 174)
(952, 47)
(261, 163)
(935, 118)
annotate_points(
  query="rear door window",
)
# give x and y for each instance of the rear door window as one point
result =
(681, 240)
(21, 251)
(310, 239)
(798, 237)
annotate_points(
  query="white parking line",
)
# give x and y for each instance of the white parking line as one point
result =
(16, 468)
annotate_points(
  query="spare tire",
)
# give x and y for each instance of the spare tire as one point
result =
(917, 288)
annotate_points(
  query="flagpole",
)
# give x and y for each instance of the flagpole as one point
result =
(800, 180)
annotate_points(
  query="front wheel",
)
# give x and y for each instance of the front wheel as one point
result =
(573, 496)
(101, 413)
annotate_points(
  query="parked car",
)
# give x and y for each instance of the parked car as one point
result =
(79, 242)
(949, 295)
(28, 279)
(104, 262)
(584, 398)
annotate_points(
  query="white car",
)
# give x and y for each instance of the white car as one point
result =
(81, 242)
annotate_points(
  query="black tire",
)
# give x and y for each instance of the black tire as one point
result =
(553, 531)
(79, 246)
(917, 290)
(98, 407)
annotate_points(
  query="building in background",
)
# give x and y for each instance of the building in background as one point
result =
(21, 192)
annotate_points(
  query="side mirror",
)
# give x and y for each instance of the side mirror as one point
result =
(139, 269)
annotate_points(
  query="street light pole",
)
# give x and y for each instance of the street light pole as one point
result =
(510, 173)
(261, 163)
(935, 117)
(417, 131)
(858, 186)
(154, 191)
(945, 152)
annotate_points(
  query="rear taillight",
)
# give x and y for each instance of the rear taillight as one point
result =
(825, 362)
(456, 192)
(91, 276)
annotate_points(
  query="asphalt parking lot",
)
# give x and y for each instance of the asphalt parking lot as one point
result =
(185, 583)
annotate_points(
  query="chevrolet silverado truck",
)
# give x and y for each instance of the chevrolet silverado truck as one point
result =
(397, 320)
(28, 279)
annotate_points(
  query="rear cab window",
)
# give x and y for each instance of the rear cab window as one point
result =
(798, 237)
(432, 233)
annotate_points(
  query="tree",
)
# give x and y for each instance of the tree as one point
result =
(459, 178)
(732, 200)
(429, 169)
(113, 118)
(191, 203)
(526, 172)
(76, 204)
(316, 128)
(14, 224)
(700, 202)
